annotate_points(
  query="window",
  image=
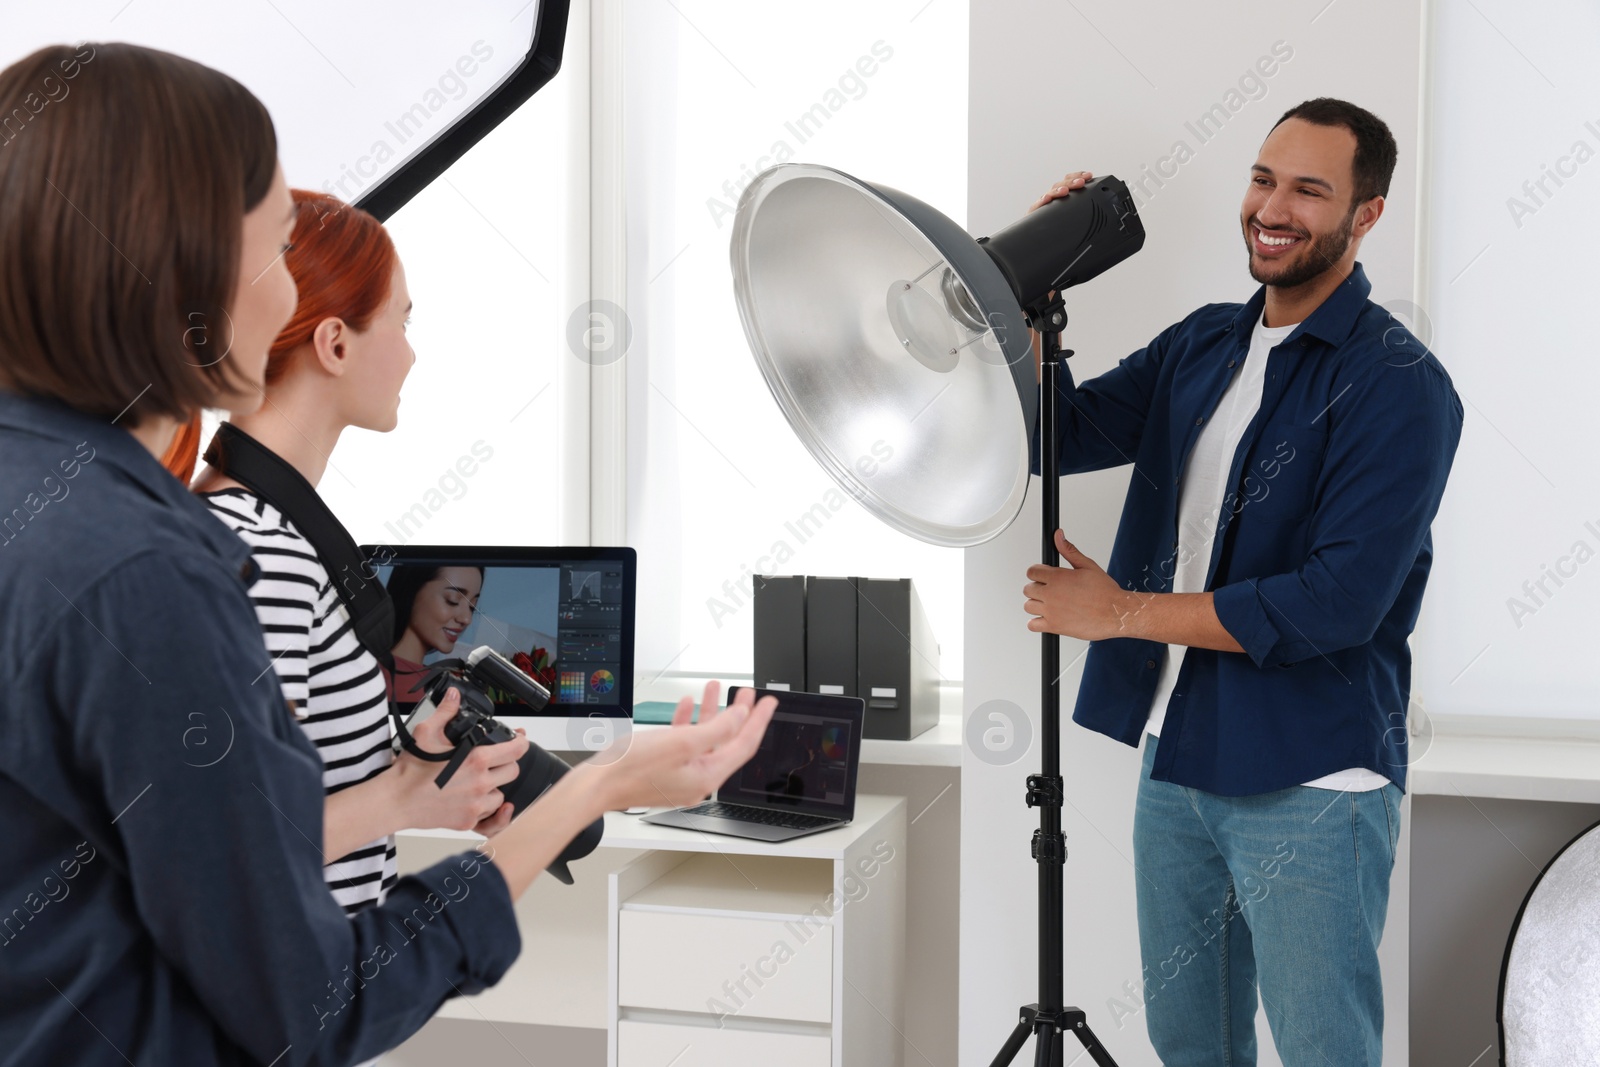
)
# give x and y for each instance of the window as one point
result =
(1509, 622)
(484, 250)
(718, 486)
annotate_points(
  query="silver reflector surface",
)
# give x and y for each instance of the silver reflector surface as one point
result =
(874, 318)
(1550, 986)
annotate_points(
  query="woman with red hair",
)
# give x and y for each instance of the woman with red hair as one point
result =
(340, 362)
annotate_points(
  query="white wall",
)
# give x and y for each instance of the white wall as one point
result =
(718, 485)
(1115, 84)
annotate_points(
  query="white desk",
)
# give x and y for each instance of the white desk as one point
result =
(725, 951)
(568, 973)
(570, 923)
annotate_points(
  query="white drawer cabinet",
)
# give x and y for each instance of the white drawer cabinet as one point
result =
(683, 961)
(727, 951)
(703, 1046)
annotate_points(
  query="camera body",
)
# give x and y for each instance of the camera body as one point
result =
(474, 724)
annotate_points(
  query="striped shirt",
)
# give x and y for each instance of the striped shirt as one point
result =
(336, 687)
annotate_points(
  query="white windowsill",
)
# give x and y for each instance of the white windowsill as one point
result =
(1508, 757)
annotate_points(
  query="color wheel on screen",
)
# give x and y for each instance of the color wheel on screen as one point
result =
(833, 742)
(602, 681)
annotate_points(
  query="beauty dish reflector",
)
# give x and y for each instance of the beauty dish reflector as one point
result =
(877, 321)
(875, 318)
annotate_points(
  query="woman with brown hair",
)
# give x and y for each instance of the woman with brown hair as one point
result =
(161, 813)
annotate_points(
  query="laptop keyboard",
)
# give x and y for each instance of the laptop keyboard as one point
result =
(788, 820)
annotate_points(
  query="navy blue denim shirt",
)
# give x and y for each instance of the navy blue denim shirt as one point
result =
(1322, 549)
(161, 891)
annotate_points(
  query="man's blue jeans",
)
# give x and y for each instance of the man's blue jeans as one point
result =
(1282, 893)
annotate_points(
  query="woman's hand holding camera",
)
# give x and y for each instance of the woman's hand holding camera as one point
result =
(404, 796)
(471, 800)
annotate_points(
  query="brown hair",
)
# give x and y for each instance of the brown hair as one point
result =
(125, 176)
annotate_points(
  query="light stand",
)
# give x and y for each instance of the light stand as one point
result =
(1048, 1019)
(863, 306)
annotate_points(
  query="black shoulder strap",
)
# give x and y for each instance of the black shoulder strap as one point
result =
(255, 466)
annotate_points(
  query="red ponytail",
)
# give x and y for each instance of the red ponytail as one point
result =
(184, 450)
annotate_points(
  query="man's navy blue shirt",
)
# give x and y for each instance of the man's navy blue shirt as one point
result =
(161, 813)
(1322, 548)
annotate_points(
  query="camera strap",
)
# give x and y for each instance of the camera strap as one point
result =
(265, 473)
(427, 685)
(261, 470)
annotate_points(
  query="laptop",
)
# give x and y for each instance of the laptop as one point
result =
(802, 780)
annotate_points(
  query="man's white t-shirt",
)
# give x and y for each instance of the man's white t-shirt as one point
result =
(1200, 502)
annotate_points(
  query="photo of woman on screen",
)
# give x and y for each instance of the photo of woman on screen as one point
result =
(432, 606)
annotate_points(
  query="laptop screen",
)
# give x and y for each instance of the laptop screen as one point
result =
(563, 615)
(808, 759)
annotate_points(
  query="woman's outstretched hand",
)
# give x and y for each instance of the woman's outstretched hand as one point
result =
(651, 768)
(670, 768)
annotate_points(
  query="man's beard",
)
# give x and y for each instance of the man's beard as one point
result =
(1323, 253)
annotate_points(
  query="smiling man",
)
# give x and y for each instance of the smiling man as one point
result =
(1250, 627)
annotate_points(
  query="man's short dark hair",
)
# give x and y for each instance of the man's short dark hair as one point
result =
(1375, 148)
(125, 176)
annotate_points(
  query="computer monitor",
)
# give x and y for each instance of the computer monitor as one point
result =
(564, 615)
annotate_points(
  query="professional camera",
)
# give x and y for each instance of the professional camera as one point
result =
(484, 670)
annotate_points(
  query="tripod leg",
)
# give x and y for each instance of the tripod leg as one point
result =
(1092, 1045)
(1014, 1043)
(1047, 1047)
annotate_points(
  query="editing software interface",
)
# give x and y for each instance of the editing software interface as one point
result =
(564, 622)
(589, 639)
